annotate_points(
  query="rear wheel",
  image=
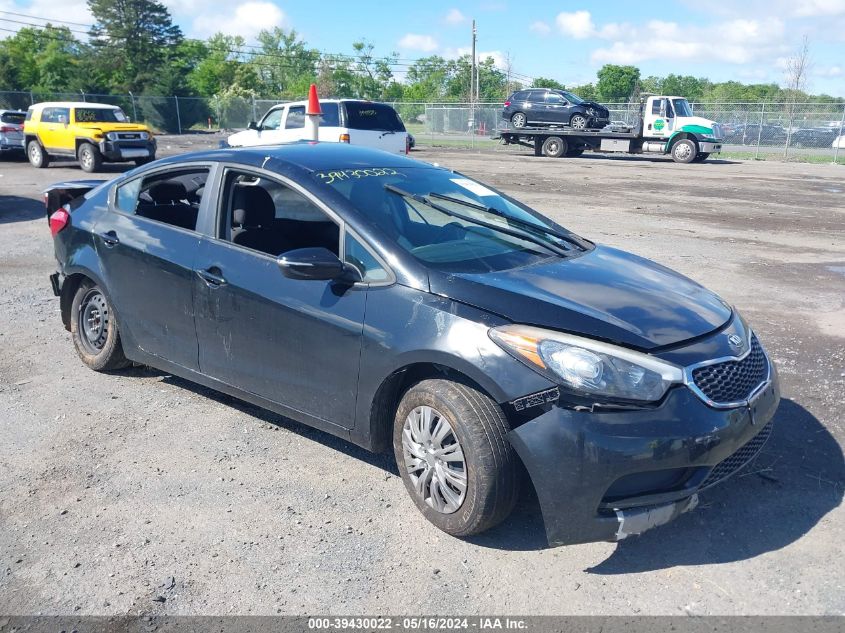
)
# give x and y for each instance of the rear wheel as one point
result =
(554, 147)
(578, 122)
(684, 151)
(89, 157)
(519, 120)
(38, 157)
(450, 444)
(93, 327)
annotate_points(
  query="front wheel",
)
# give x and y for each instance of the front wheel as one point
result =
(684, 151)
(578, 122)
(93, 327)
(450, 444)
(38, 157)
(89, 157)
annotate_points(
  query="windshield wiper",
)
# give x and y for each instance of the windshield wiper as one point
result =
(571, 239)
(523, 235)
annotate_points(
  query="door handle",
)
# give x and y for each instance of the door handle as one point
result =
(212, 279)
(110, 238)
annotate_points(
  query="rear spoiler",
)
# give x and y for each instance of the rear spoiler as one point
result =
(62, 193)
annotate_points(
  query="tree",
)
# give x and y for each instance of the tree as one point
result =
(683, 86)
(42, 60)
(585, 91)
(545, 82)
(616, 83)
(285, 66)
(795, 74)
(131, 39)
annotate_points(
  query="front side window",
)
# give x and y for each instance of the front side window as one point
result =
(268, 216)
(555, 98)
(463, 235)
(573, 98)
(272, 120)
(296, 118)
(357, 255)
(172, 198)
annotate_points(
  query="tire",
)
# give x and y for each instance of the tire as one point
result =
(89, 157)
(144, 161)
(94, 329)
(701, 157)
(684, 151)
(554, 147)
(37, 155)
(519, 120)
(578, 122)
(489, 470)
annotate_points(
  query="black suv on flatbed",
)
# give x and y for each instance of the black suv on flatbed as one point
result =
(547, 106)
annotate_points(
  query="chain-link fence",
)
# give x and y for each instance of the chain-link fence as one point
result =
(751, 130)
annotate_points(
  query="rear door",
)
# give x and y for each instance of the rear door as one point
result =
(147, 244)
(374, 125)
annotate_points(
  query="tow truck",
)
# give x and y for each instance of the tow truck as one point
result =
(662, 125)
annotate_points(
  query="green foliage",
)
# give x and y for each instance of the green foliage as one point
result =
(616, 83)
(131, 40)
(545, 82)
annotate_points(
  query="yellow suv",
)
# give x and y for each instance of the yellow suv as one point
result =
(90, 132)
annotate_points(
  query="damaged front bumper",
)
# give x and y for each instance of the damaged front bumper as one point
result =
(603, 476)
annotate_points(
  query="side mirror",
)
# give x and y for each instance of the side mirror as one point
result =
(317, 264)
(253, 126)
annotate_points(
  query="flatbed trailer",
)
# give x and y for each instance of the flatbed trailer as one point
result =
(685, 139)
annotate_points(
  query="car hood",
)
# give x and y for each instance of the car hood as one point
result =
(113, 127)
(606, 294)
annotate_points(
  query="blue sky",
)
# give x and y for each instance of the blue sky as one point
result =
(746, 40)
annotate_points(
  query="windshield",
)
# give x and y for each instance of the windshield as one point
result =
(461, 236)
(573, 98)
(363, 115)
(100, 115)
(682, 107)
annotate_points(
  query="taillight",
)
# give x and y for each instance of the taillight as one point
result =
(9, 128)
(58, 221)
(507, 103)
(344, 138)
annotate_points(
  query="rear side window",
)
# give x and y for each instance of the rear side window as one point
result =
(55, 115)
(519, 96)
(372, 116)
(537, 95)
(16, 118)
(172, 198)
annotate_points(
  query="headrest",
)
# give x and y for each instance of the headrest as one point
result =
(252, 206)
(168, 192)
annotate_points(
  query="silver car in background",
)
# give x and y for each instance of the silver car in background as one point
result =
(11, 131)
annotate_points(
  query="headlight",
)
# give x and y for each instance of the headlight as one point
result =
(112, 136)
(587, 366)
(143, 136)
(590, 111)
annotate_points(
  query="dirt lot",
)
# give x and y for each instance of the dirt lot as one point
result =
(141, 493)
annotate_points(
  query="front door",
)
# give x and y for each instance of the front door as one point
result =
(147, 244)
(294, 342)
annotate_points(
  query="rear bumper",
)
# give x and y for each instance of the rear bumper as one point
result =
(605, 476)
(11, 146)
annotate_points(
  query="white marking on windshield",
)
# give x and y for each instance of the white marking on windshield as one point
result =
(475, 187)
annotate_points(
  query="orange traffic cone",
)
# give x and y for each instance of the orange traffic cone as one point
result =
(313, 101)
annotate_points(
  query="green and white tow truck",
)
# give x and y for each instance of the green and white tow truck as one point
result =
(664, 125)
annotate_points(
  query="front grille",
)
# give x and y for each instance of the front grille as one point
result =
(733, 380)
(129, 136)
(739, 459)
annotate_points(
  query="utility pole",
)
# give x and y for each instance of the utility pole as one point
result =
(473, 86)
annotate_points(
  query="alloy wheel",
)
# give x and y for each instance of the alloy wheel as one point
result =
(434, 459)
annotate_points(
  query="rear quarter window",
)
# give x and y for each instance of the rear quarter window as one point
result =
(372, 116)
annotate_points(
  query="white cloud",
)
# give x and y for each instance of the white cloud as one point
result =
(740, 41)
(246, 20)
(455, 17)
(578, 25)
(47, 11)
(829, 71)
(416, 42)
(811, 8)
(540, 27)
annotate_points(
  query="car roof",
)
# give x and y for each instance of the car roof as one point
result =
(307, 155)
(305, 102)
(73, 104)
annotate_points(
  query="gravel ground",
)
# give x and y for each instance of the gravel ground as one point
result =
(141, 493)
